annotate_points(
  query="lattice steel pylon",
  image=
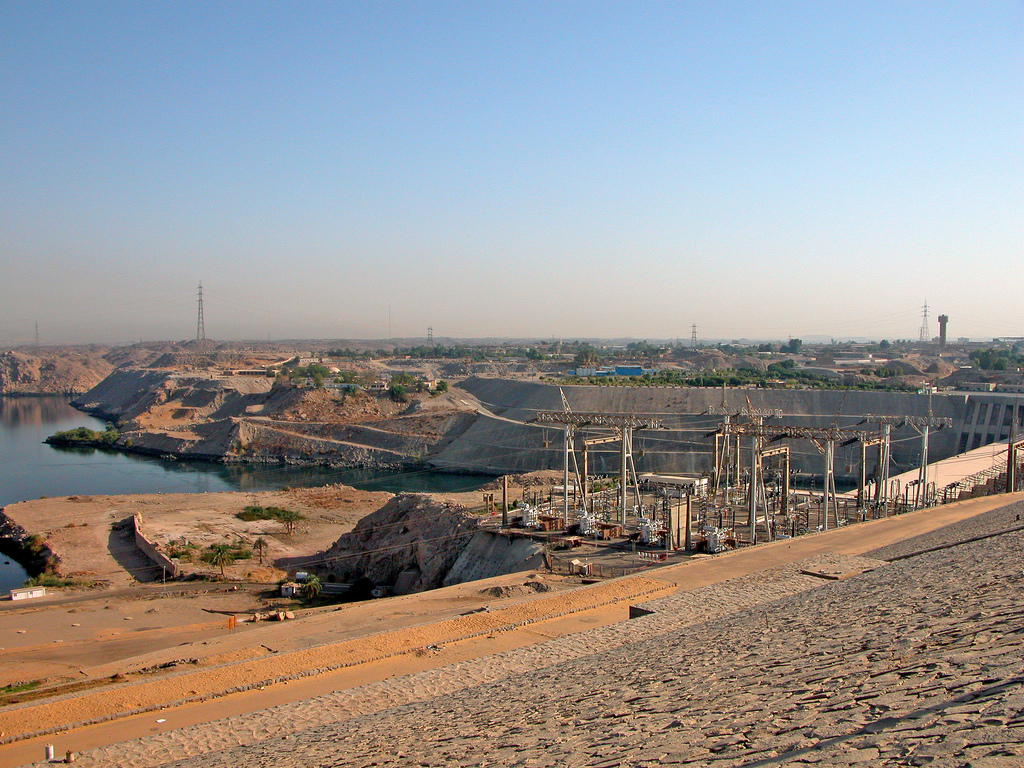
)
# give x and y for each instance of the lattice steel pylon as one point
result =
(201, 323)
(925, 333)
(693, 335)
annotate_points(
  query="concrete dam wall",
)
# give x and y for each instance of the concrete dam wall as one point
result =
(502, 439)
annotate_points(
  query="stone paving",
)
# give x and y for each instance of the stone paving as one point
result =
(917, 662)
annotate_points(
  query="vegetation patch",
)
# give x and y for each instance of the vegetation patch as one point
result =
(287, 516)
(51, 580)
(32, 553)
(84, 436)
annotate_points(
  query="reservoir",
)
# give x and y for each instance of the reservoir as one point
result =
(30, 469)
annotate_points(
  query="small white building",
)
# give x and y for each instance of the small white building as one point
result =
(290, 589)
(26, 593)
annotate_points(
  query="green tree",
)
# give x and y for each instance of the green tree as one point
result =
(221, 555)
(311, 587)
(260, 545)
(587, 356)
(442, 386)
(289, 517)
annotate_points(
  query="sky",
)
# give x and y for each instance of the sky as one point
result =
(510, 169)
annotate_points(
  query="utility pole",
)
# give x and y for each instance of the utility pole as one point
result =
(1012, 449)
(504, 501)
(201, 323)
(1011, 453)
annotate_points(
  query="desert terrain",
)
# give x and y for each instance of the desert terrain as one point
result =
(791, 644)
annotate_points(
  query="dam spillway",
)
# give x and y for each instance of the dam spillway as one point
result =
(504, 437)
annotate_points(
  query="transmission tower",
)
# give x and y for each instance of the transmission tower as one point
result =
(37, 334)
(925, 335)
(430, 336)
(693, 335)
(200, 323)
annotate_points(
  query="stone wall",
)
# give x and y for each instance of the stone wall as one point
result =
(150, 549)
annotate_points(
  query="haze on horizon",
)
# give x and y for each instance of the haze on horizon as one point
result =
(367, 170)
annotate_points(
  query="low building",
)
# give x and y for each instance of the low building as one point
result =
(976, 386)
(290, 589)
(27, 593)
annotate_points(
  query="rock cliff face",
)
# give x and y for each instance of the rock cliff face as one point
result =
(250, 419)
(411, 534)
(51, 371)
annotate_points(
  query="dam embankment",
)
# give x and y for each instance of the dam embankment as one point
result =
(503, 439)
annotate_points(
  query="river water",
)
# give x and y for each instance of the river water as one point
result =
(30, 469)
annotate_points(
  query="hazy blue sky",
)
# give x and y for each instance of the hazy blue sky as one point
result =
(495, 168)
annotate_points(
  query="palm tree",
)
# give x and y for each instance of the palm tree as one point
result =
(260, 545)
(221, 555)
(289, 517)
(312, 587)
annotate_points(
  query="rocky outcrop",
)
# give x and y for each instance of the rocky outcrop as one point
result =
(250, 419)
(51, 371)
(413, 534)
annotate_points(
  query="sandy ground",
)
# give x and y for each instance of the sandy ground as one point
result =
(434, 619)
(87, 632)
(79, 528)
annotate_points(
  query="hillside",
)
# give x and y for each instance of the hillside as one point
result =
(253, 419)
(52, 370)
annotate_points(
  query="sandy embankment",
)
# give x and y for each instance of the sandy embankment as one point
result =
(199, 685)
(754, 565)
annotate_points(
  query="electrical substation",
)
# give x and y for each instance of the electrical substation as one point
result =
(750, 492)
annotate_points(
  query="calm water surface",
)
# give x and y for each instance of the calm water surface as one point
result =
(30, 469)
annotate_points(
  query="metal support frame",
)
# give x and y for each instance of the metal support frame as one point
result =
(827, 448)
(922, 425)
(823, 438)
(862, 475)
(1012, 449)
(783, 451)
(724, 461)
(622, 423)
(585, 478)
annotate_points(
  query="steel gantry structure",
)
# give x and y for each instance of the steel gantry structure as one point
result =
(922, 425)
(724, 461)
(823, 438)
(623, 425)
